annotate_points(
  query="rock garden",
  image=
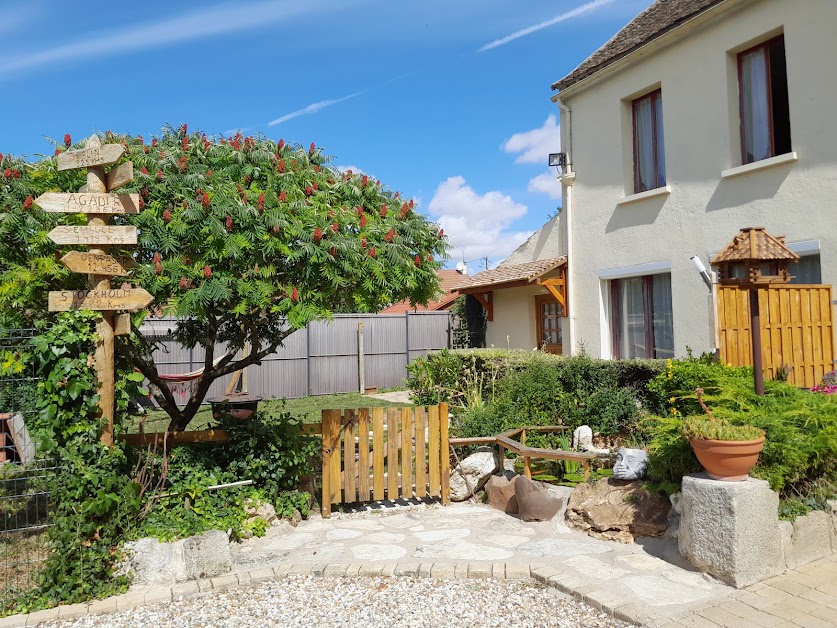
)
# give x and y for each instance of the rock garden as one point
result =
(672, 443)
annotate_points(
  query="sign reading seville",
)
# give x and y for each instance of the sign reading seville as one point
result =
(93, 234)
(103, 300)
(98, 263)
(94, 155)
(88, 203)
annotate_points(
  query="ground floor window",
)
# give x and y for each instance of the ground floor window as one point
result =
(641, 317)
(548, 318)
(807, 270)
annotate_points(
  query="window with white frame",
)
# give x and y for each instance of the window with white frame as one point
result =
(763, 101)
(642, 324)
(649, 149)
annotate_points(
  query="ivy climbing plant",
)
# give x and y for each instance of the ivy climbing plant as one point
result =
(243, 239)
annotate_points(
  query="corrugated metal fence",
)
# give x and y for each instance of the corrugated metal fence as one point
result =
(322, 358)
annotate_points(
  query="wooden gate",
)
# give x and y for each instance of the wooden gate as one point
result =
(385, 453)
(796, 328)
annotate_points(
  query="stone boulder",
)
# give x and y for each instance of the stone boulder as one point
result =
(534, 503)
(500, 493)
(260, 509)
(470, 475)
(150, 562)
(206, 555)
(617, 510)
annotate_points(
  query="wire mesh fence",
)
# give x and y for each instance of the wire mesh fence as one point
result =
(24, 480)
(24, 519)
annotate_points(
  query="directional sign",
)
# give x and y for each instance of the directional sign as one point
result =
(93, 234)
(90, 156)
(119, 176)
(115, 299)
(98, 264)
(88, 203)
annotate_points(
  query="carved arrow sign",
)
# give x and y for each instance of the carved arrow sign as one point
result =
(115, 299)
(98, 264)
(93, 234)
(90, 156)
(88, 203)
(119, 176)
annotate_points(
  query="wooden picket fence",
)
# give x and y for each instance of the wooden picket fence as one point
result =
(797, 330)
(385, 454)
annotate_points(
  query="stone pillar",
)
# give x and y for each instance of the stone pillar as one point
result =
(731, 529)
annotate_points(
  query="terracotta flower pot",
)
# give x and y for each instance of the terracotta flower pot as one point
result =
(727, 460)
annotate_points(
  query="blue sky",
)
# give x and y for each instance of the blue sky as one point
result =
(447, 102)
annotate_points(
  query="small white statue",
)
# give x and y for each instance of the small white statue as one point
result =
(630, 464)
(583, 440)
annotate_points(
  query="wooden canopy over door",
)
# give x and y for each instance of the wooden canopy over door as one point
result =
(548, 273)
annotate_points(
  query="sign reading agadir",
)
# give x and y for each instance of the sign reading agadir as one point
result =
(102, 300)
(88, 203)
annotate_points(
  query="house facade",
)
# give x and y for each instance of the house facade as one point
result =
(697, 119)
(524, 296)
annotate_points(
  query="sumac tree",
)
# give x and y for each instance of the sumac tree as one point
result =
(242, 239)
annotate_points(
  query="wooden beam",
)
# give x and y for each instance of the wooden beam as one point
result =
(175, 438)
(558, 288)
(486, 299)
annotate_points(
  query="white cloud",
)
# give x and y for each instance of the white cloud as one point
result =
(546, 183)
(312, 108)
(477, 225)
(198, 24)
(534, 146)
(354, 169)
(584, 8)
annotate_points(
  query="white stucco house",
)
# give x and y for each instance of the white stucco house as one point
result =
(698, 118)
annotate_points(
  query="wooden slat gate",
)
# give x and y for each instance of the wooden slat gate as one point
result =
(385, 454)
(797, 330)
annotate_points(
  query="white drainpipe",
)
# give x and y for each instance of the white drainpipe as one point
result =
(567, 181)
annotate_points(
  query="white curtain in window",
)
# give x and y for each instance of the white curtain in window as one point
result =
(644, 141)
(755, 105)
(663, 320)
(632, 318)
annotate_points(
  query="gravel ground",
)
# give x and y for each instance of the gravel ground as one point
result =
(390, 602)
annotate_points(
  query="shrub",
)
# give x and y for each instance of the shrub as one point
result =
(800, 426)
(549, 390)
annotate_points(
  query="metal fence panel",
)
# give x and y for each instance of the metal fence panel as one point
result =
(321, 359)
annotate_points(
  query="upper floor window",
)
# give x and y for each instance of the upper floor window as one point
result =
(763, 101)
(649, 152)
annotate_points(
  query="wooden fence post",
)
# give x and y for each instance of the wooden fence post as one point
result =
(445, 453)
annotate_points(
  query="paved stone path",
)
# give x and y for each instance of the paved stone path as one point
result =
(645, 583)
(633, 582)
(397, 396)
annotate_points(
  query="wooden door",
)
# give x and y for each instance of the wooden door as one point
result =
(548, 315)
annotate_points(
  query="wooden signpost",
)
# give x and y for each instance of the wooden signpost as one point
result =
(88, 203)
(98, 202)
(96, 264)
(93, 234)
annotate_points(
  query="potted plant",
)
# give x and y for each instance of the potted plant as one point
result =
(727, 452)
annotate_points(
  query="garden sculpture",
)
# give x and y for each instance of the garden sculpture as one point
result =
(630, 464)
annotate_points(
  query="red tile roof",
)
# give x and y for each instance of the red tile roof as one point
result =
(449, 280)
(529, 271)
